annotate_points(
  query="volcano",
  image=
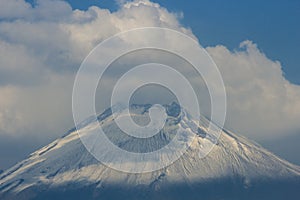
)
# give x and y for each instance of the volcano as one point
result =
(236, 168)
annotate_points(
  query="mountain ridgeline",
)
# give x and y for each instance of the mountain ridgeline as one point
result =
(236, 168)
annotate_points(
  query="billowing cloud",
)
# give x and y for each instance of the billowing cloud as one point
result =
(261, 102)
(13, 9)
(43, 45)
(44, 10)
(41, 48)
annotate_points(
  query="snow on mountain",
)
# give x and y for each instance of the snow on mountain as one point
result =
(235, 164)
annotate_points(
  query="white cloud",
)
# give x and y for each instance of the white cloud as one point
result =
(50, 10)
(13, 9)
(261, 102)
(41, 50)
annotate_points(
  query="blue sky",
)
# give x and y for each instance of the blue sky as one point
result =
(272, 24)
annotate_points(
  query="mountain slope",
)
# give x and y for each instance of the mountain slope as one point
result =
(236, 168)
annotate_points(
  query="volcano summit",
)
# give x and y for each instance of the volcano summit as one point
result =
(235, 168)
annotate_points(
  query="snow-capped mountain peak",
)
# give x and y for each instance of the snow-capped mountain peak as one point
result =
(65, 163)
